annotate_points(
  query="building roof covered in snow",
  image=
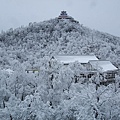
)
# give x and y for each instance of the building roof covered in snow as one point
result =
(9, 71)
(72, 58)
(102, 66)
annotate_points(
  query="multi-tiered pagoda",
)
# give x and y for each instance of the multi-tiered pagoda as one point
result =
(63, 15)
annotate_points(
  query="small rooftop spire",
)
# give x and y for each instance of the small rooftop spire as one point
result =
(63, 13)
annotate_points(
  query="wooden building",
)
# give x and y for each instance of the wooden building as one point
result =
(93, 66)
(63, 15)
(105, 68)
(32, 71)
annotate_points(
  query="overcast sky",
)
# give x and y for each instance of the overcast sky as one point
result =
(102, 15)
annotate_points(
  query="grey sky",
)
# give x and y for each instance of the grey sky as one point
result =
(102, 15)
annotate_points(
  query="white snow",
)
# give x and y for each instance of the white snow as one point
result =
(103, 66)
(73, 58)
(9, 71)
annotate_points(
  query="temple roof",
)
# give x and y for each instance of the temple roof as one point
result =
(102, 66)
(72, 58)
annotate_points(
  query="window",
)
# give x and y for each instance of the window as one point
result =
(83, 75)
(90, 75)
(110, 75)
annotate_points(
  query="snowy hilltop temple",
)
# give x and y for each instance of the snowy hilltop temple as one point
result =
(63, 15)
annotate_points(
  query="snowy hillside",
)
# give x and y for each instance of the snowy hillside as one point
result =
(55, 92)
(60, 37)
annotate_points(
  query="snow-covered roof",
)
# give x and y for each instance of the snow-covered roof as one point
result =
(72, 58)
(102, 66)
(9, 71)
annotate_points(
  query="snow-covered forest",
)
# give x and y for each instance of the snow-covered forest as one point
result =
(54, 94)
